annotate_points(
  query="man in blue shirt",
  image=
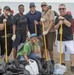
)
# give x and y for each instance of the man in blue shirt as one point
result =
(33, 18)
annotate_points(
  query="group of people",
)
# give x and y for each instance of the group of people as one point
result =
(21, 26)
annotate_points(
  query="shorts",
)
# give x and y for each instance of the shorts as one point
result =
(32, 55)
(9, 45)
(50, 40)
(67, 46)
(20, 38)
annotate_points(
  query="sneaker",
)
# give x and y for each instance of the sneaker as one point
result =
(72, 68)
(63, 64)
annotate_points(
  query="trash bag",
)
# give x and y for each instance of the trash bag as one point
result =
(10, 66)
(59, 69)
(1, 69)
(39, 65)
(32, 67)
(8, 73)
(15, 68)
(47, 67)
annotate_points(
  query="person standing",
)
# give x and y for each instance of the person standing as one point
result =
(49, 32)
(19, 29)
(67, 37)
(9, 23)
(33, 17)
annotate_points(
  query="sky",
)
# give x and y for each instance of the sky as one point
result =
(14, 6)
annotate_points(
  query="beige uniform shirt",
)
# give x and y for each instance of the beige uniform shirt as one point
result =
(48, 16)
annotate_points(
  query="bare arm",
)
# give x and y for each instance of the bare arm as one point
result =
(50, 25)
(25, 56)
(35, 50)
(67, 23)
(14, 29)
(27, 28)
(1, 26)
(51, 20)
(56, 26)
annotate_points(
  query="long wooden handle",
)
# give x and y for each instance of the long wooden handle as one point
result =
(35, 29)
(44, 38)
(6, 42)
(61, 32)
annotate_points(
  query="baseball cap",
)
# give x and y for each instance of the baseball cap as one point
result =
(32, 4)
(43, 3)
(7, 8)
(69, 12)
(33, 35)
(12, 11)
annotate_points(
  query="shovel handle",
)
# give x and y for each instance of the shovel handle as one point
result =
(61, 44)
(46, 52)
(35, 28)
(6, 42)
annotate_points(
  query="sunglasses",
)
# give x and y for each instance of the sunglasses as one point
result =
(62, 8)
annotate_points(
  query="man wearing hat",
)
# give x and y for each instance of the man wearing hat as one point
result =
(30, 49)
(49, 32)
(33, 17)
(6, 11)
(11, 13)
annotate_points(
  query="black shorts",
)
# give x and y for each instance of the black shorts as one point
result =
(9, 45)
(50, 40)
(20, 38)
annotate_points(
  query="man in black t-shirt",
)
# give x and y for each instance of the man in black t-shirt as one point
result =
(19, 29)
(5, 15)
(67, 38)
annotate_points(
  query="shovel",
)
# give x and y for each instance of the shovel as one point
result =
(44, 38)
(5, 30)
(35, 29)
(61, 31)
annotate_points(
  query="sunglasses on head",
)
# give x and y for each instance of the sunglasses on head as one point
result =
(61, 8)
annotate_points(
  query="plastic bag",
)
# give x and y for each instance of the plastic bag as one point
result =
(32, 67)
(67, 56)
(59, 69)
(1, 69)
